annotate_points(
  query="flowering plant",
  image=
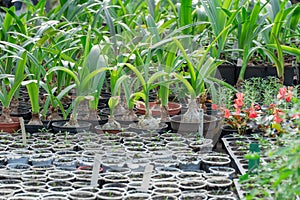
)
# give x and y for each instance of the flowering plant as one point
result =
(280, 111)
(241, 116)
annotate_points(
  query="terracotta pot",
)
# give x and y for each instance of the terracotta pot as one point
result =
(10, 127)
(173, 108)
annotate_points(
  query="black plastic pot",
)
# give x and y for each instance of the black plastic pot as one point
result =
(58, 126)
(36, 128)
(227, 73)
(265, 71)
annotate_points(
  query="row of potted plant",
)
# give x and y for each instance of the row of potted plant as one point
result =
(58, 56)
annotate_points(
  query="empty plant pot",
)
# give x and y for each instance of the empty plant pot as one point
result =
(218, 183)
(192, 184)
(196, 196)
(83, 195)
(227, 171)
(210, 161)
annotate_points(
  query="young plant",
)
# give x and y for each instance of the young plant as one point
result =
(199, 74)
(147, 83)
(249, 27)
(84, 79)
(53, 100)
(129, 115)
(33, 91)
(114, 100)
(220, 14)
(9, 85)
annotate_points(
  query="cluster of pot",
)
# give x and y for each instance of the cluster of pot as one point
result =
(60, 166)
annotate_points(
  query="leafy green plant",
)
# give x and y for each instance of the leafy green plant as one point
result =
(114, 100)
(84, 79)
(9, 85)
(147, 83)
(200, 73)
(250, 24)
(221, 14)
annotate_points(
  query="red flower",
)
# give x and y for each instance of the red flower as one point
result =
(288, 96)
(252, 113)
(277, 119)
(214, 106)
(272, 105)
(237, 109)
(282, 92)
(240, 95)
(227, 113)
(257, 107)
(296, 116)
(239, 101)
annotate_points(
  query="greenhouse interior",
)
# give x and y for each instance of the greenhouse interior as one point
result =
(149, 99)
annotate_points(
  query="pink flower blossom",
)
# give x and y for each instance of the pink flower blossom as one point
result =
(252, 113)
(288, 96)
(227, 113)
(277, 119)
(214, 106)
(282, 92)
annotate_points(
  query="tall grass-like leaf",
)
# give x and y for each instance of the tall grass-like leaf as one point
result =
(89, 77)
(189, 63)
(33, 92)
(280, 20)
(186, 15)
(138, 74)
(118, 84)
(151, 6)
(21, 27)
(153, 29)
(286, 49)
(110, 22)
(68, 71)
(187, 85)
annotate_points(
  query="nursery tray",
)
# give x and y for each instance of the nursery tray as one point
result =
(238, 189)
(242, 168)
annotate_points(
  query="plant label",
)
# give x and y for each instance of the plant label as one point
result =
(239, 62)
(200, 129)
(96, 167)
(254, 162)
(24, 139)
(147, 177)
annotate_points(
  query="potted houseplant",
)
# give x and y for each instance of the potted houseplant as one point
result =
(199, 76)
(10, 84)
(147, 121)
(83, 81)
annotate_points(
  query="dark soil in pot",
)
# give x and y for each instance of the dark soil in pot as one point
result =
(58, 126)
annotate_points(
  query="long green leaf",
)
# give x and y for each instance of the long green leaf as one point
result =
(89, 77)
(189, 63)
(138, 74)
(118, 84)
(187, 85)
(33, 92)
(287, 49)
(66, 70)
(186, 14)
